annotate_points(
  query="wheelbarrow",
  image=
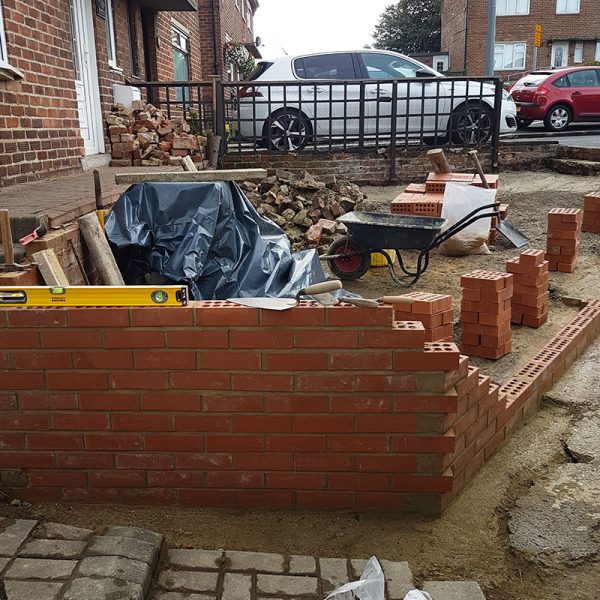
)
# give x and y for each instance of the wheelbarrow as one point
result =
(349, 257)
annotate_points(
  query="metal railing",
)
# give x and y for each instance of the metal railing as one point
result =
(340, 116)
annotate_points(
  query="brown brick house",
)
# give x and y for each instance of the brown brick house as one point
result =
(61, 59)
(570, 34)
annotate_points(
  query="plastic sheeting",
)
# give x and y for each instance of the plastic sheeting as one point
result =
(209, 237)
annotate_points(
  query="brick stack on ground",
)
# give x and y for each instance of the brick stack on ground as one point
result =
(486, 313)
(564, 227)
(591, 213)
(530, 297)
(434, 311)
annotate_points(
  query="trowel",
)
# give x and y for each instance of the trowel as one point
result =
(287, 303)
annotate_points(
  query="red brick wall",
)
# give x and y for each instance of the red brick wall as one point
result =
(39, 126)
(219, 405)
(580, 27)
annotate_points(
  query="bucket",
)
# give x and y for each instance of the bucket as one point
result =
(378, 260)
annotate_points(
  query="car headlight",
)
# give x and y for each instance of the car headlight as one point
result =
(506, 95)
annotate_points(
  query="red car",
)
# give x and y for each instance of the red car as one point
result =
(558, 97)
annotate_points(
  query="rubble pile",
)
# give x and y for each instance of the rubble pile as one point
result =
(304, 206)
(141, 135)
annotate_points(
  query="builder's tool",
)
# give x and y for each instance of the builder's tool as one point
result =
(475, 160)
(7, 244)
(34, 235)
(287, 303)
(131, 295)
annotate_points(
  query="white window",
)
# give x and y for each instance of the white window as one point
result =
(110, 36)
(578, 54)
(510, 57)
(3, 52)
(567, 7)
(512, 7)
(598, 51)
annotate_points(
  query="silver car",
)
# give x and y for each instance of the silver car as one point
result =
(295, 100)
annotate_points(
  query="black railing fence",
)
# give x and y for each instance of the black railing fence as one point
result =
(339, 116)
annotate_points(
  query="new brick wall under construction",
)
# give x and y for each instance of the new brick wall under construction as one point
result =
(220, 405)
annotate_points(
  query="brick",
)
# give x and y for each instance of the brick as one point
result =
(80, 422)
(265, 338)
(314, 338)
(114, 442)
(201, 339)
(54, 441)
(41, 360)
(165, 316)
(169, 401)
(235, 443)
(230, 360)
(202, 423)
(19, 339)
(84, 460)
(324, 462)
(38, 318)
(118, 479)
(174, 442)
(296, 404)
(103, 360)
(140, 380)
(70, 338)
(200, 381)
(386, 423)
(294, 361)
(323, 424)
(362, 404)
(225, 314)
(98, 317)
(161, 360)
(348, 316)
(262, 382)
(106, 401)
(294, 443)
(140, 422)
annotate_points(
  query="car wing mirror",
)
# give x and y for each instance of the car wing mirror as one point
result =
(424, 73)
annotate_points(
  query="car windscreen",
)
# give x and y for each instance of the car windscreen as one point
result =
(261, 68)
(532, 80)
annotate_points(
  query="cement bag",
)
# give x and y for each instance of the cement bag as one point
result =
(459, 201)
(370, 586)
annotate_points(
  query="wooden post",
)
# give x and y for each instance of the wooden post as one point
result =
(6, 234)
(98, 189)
(190, 176)
(438, 161)
(100, 250)
(50, 268)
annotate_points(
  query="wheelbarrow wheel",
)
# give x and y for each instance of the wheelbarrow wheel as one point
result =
(354, 265)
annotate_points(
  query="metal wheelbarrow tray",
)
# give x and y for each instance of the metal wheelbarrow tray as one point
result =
(349, 257)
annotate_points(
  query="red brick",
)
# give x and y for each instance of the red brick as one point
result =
(19, 339)
(140, 380)
(174, 442)
(166, 316)
(117, 479)
(386, 423)
(422, 483)
(438, 444)
(264, 462)
(164, 360)
(39, 318)
(201, 423)
(176, 479)
(113, 441)
(315, 338)
(236, 480)
(260, 424)
(324, 462)
(234, 361)
(54, 478)
(85, 460)
(323, 424)
(301, 316)
(228, 315)
(41, 360)
(393, 338)
(386, 383)
(54, 441)
(295, 443)
(24, 460)
(135, 338)
(261, 338)
(80, 422)
(358, 443)
(22, 380)
(71, 338)
(355, 481)
(140, 422)
(200, 381)
(297, 481)
(200, 462)
(24, 421)
(240, 404)
(296, 404)
(103, 359)
(426, 403)
(108, 401)
(295, 361)
(349, 316)
(98, 317)
(197, 339)
(235, 443)
(387, 464)
(324, 383)
(360, 361)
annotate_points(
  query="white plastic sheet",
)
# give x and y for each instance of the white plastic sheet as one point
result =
(370, 586)
(417, 595)
(459, 201)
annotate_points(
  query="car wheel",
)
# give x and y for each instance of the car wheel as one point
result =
(558, 118)
(287, 131)
(472, 124)
(524, 123)
(353, 262)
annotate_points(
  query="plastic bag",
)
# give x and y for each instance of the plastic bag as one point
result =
(417, 595)
(459, 201)
(370, 586)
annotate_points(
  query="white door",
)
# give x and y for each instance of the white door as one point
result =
(86, 77)
(560, 54)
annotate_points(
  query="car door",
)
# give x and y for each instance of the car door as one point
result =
(420, 104)
(334, 107)
(585, 93)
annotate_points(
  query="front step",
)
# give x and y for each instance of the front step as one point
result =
(570, 166)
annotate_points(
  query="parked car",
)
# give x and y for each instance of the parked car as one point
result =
(295, 99)
(558, 97)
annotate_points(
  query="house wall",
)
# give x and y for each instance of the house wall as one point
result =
(39, 126)
(584, 26)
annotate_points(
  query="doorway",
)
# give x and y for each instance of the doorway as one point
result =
(560, 54)
(86, 76)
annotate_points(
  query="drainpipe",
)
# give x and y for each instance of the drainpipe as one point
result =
(214, 36)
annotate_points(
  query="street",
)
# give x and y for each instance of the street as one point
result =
(579, 135)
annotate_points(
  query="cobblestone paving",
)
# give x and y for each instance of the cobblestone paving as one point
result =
(59, 562)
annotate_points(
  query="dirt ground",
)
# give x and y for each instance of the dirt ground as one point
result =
(470, 540)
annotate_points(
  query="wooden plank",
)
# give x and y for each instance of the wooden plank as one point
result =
(50, 268)
(100, 251)
(6, 235)
(190, 176)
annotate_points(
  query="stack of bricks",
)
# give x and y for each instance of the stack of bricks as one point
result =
(530, 298)
(421, 204)
(486, 313)
(591, 213)
(503, 211)
(434, 311)
(564, 227)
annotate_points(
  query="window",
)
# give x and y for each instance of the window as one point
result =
(249, 15)
(598, 51)
(133, 38)
(325, 66)
(110, 36)
(510, 57)
(386, 66)
(512, 7)
(561, 82)
(180, 43)
(3, 52)
(578, 54)
(586, 78)
(567, 7)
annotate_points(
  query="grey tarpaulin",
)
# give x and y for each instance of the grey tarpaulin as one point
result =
(208, 236)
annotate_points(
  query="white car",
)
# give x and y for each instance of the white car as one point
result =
(296, 100)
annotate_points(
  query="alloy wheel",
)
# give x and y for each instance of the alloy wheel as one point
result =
(474, 125)
(288, 132)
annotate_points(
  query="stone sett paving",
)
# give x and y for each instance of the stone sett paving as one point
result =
(59, 562)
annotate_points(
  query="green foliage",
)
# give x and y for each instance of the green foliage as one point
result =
(237, 55)
(410, 26)
(195, 123)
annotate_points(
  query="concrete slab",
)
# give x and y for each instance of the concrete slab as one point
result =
(255, 561)
(32, 590)
(133, 571)
(188, 581)
(127, 547)
(195, 559)
(288, 585)
(65, 549)
(583, 443)
(453, 590)
(85, 588)
(57, 531)
(13, 534)
(40, 568)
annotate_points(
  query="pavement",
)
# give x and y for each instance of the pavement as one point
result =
(50, 561)
(577, 135)
(558, 521)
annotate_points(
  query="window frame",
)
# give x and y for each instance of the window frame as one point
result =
(592, 70)
(597, 57)
(566, 11)
(183, 33)
(300, 61)
(578, 49)
(513, 44)
(111, 45)
(3, 47)
(511, 14)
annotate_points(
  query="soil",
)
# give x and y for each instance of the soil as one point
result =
(470, 540)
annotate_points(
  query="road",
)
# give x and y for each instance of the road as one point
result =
(579, 135)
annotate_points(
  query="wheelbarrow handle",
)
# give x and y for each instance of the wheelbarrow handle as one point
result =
(467, 220)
